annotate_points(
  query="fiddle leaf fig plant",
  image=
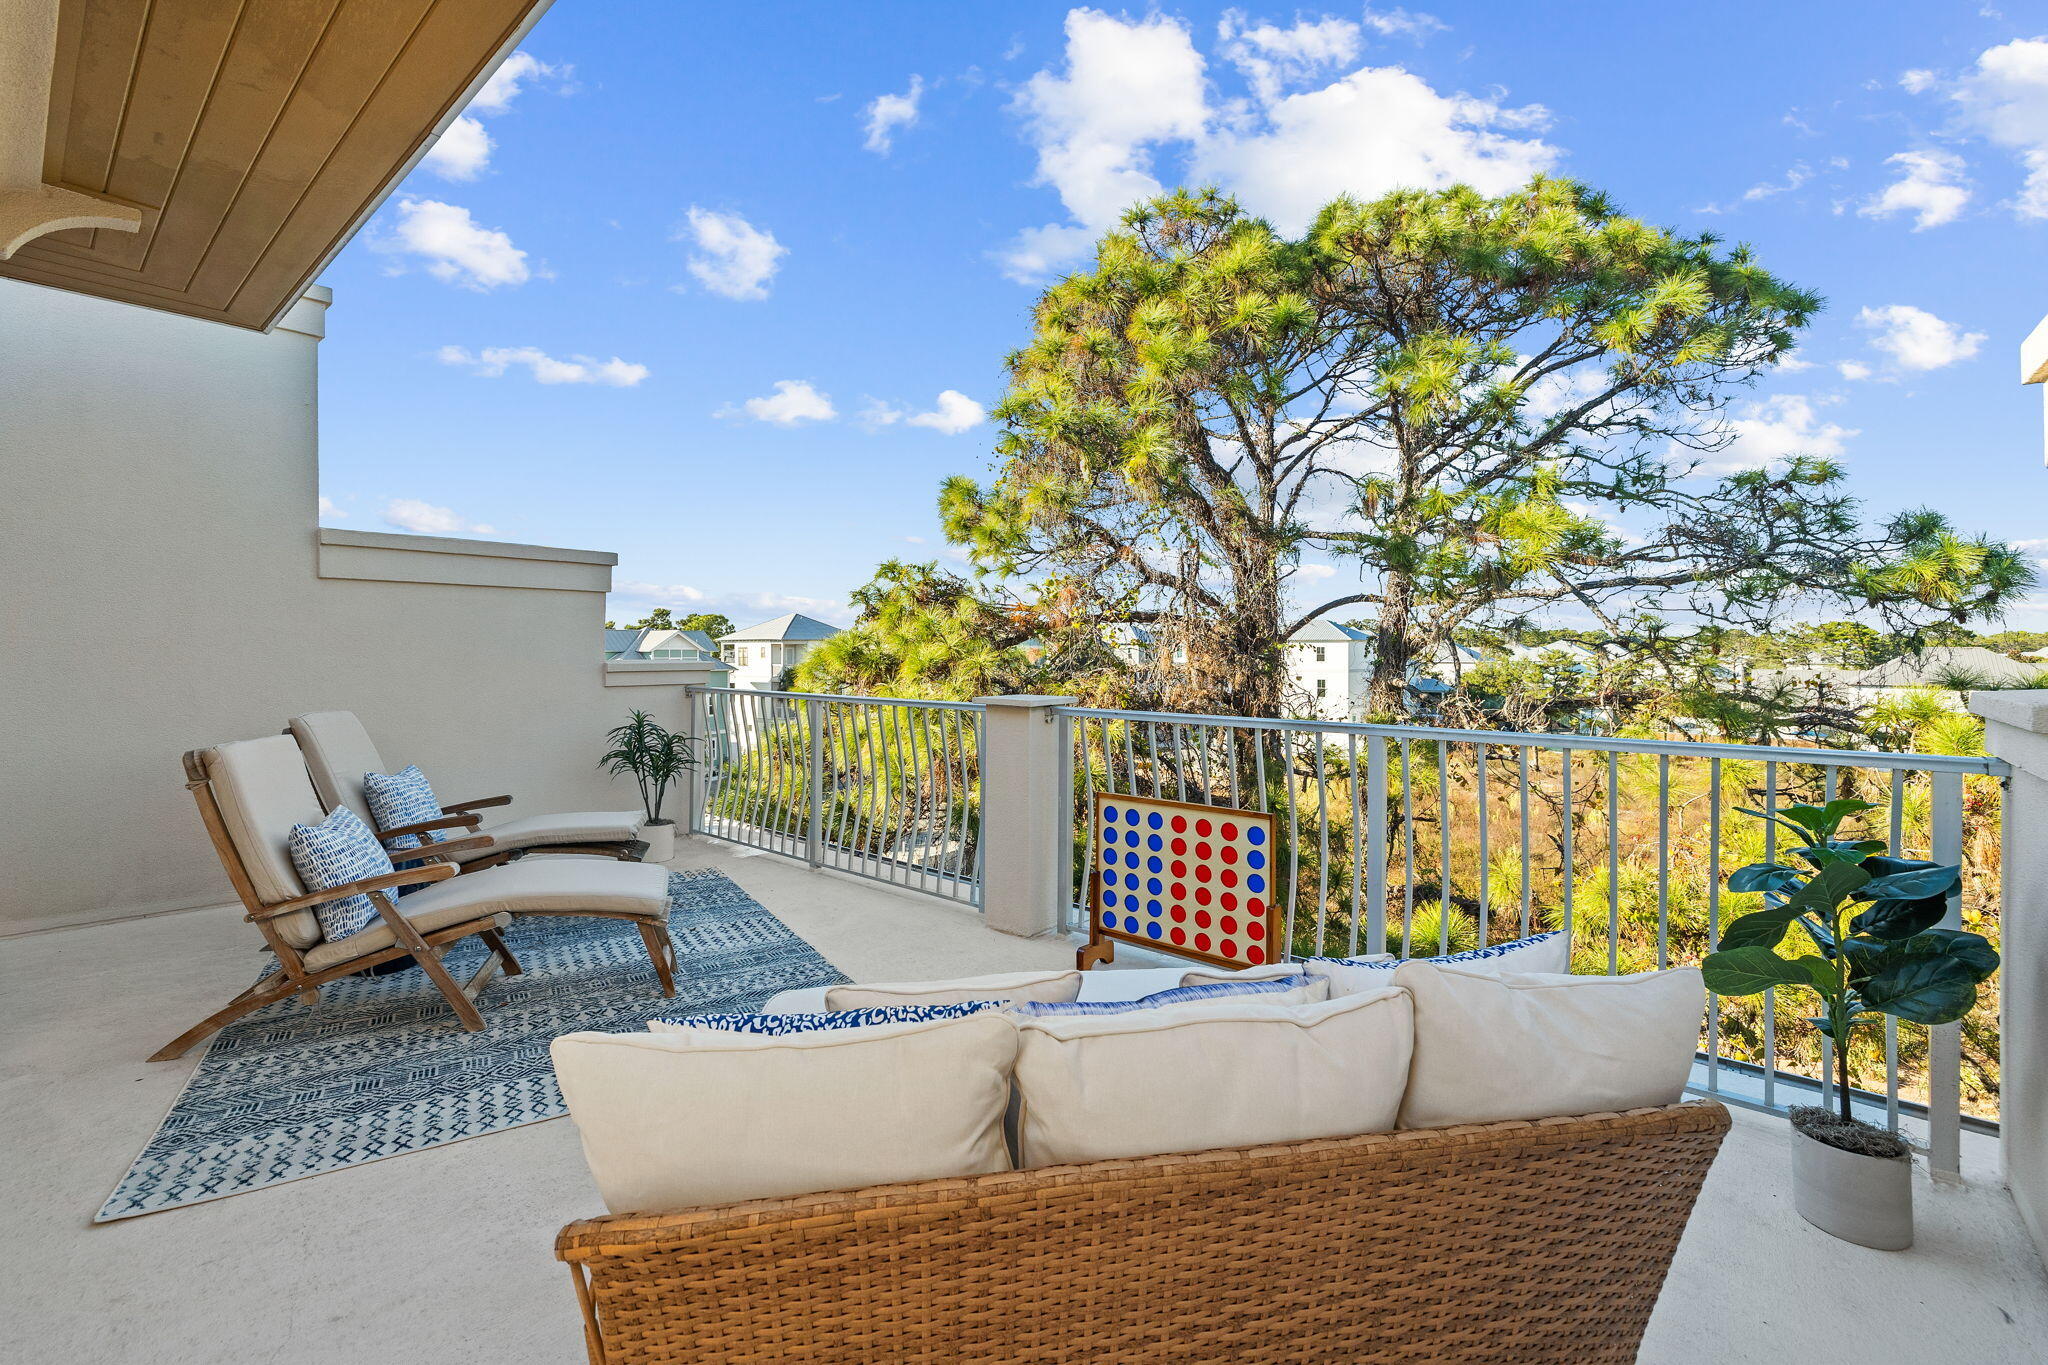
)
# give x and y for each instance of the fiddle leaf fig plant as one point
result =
(1871, 945)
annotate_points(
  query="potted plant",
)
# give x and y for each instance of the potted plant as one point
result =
(655, 757)
(1868, 947)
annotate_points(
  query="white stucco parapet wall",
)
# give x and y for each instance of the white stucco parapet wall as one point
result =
(384, 558)
(663, 672)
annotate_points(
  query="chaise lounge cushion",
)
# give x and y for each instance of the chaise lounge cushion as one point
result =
(537, 887)
(1189, 1078)
(1492, 1046)
(1011, 988)
(699, 1116)
(574, 827)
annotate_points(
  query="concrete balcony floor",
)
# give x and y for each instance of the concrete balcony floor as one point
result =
(447, 1255)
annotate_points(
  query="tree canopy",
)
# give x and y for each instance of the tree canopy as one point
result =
(1476, 407)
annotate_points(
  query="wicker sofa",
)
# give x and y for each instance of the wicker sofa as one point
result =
(1520, 1242)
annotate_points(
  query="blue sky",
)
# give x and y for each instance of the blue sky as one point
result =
(768, 258)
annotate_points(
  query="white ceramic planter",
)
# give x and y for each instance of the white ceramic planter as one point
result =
(660, 838)
(1862, 1199)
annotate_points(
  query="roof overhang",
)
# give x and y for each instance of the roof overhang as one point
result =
(210, 159)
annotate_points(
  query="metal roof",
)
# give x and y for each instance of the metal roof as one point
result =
(793, 626)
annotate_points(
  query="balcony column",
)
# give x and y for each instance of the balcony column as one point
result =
(1024, 823)
(2016, 730)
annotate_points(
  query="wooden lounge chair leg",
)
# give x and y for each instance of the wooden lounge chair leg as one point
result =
(661, 951)
(452, 991)
(273, 987)
(497, 945)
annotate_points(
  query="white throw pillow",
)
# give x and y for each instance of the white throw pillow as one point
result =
(702, 1116)
(1189, 1078)
(1011, 988)
(1491, 1046)
(1551, 952)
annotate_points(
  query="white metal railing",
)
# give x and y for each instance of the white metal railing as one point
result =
(874, 786)
(1418, 840)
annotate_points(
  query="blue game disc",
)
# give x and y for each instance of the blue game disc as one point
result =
(1155, 820)
(1154, 842)
(1131, 925)
(1109, 921)
(1154, 886)
(1109, 898)
(1153, 864)
(1255, 883)
(1130, 817)
(1109, 814)
(1255, 835)
(1255, 859)
(1152, 929)
(1151, 907)
(1109, 856)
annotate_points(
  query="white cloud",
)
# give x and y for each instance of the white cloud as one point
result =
(1794, 178)
(1134, 90)
(329, 509)
(493, 361)
(1932, 186)
(793, 403)
(953, 413)
(876, 414)
(1793, 364)
(734, 258)
(456, 248)
(745, 608)
(1400, 23)
(887, 113)
(1915, 339)
(1916, 80)
(423, 518)
(2037, 549)
(509, 79)
(1853, 370)
(2006, 99)
(1273, 58)
(461, 152)
(1771, 430)
(1314, 572)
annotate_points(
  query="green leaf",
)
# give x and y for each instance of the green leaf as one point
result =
(1828, 888)
(1928, 990)
(1760, 928)
(1822, 820)
(1750, 971)
(1973, 951)
(1914, 884)
(1762, 877)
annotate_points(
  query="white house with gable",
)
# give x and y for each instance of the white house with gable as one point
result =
(760, 655)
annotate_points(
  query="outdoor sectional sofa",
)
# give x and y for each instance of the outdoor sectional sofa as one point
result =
(1517, 1240)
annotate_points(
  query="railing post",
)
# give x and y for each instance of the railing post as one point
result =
(814, 825)
(2016, 730)
(1025, 823)
(1376, 855)
(1945, 1041)
(695, 704)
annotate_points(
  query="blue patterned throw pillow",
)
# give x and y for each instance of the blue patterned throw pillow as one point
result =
(339, 850)
(778, 1024)
(403, 798)
(1179, 995)
(1550, 953)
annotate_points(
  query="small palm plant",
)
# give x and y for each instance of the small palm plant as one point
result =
(655, 757)
(1870, 920)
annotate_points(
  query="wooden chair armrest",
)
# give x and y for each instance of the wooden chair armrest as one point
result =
(424, 826)
(386, 881)
(481, 803)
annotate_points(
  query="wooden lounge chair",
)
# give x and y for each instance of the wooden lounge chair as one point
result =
(250, 794)
(339, 751)
(1516, 1243)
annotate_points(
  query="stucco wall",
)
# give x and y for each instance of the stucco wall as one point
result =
(159, 564)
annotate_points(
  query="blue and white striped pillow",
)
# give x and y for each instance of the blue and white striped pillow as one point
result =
(1551, 952)
(1179, 995)
(338, 850)
(403, 798)
(777, 1024)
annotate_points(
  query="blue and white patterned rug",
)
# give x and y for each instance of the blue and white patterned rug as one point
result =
(380, 1067)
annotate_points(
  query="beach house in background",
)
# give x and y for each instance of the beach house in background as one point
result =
(1329, 671)
(654, 642)
(761, 655)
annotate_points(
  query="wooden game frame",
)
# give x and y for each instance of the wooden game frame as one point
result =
(1101, 945)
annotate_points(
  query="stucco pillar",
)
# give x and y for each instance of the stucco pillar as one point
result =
(2016, 730)
(1024, 825)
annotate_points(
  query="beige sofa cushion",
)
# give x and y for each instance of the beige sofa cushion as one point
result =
(1538, 1045)
(1010, 989)
(675, 1120)
(1189, 1078)
(1267, 971)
